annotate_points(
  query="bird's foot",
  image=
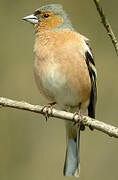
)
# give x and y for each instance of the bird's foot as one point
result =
(47, 110)
(78, 120)
(91, 128)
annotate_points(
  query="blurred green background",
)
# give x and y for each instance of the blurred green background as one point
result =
(30, 148)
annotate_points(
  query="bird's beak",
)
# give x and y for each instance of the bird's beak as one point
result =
(32, 19)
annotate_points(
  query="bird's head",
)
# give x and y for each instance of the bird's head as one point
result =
(48, 18)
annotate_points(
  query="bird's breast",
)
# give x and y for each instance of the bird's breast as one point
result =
(53, 83)
(61, 71)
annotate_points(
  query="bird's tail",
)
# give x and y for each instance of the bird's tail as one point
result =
(72, 161)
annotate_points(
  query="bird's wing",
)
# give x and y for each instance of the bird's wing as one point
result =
(93, 76)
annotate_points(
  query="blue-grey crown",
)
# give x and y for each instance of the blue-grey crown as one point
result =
(58, 10)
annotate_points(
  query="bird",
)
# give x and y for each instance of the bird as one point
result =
(65, 72)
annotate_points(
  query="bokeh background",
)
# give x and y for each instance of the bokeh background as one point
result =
(30, 148)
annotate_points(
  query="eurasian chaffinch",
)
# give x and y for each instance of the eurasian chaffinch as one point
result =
(64, 71)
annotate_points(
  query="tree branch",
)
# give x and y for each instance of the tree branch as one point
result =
(107, 25)
(87, 121)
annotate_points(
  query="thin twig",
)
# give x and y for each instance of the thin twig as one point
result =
(87, 121)
(107, 25)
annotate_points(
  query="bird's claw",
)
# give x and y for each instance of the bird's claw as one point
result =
(91, 128)
(47, 110)
(78, 120)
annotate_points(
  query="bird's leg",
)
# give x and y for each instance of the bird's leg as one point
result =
(47, 110)
(79, 119)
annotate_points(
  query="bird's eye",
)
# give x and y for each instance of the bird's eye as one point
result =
(46, 15)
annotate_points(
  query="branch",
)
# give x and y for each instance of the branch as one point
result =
(107, 25)
(87, 121)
